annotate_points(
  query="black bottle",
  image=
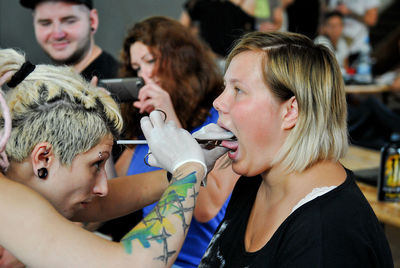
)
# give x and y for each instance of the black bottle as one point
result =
(389, 175)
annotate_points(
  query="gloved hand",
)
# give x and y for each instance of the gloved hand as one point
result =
(170, 146)
(212, 132)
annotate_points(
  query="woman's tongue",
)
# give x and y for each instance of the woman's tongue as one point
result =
(232, 146)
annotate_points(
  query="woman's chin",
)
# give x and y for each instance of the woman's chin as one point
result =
(239, 169)
(238, 166)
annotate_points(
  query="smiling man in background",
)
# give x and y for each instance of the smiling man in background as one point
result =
(65, 30)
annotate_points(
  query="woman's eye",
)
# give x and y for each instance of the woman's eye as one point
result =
(151, 61)
(98, 164)
(238, 90)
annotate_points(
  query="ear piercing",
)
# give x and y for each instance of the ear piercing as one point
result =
(100, 155)
(42, 173)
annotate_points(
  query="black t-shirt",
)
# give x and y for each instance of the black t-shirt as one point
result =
(220, 23)
(337, 229)
(104, 66)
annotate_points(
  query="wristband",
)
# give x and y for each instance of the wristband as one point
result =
(192, 160)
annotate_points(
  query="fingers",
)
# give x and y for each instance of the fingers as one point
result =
(153, 97)
(150, 91)
(146, 106)
(171, 124)
(94, 80)
(171, 146)
(150, 160)
(146, 126)
(157, 118)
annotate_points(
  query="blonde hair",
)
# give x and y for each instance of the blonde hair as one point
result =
(56, 105)
(293, 65)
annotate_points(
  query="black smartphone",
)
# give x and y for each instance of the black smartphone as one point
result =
(123, 89)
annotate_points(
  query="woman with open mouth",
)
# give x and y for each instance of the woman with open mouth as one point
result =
(295, 204)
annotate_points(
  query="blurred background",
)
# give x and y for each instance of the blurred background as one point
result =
(16, 27)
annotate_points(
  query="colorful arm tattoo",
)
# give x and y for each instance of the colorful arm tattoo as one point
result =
(156, 226)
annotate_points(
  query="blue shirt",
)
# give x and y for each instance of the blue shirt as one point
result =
(199, 234)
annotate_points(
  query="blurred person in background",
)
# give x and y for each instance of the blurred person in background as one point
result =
(359, 16)
(331, 30)
(219, 23)
(65, 30)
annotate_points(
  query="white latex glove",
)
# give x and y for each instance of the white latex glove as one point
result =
(212, 132)
(170, 146)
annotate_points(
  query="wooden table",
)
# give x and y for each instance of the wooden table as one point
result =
(387, 212)
(366, 89)
(358, 159)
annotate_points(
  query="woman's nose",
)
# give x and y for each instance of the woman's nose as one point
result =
(146, 74)
(101, 187)
(220, 103)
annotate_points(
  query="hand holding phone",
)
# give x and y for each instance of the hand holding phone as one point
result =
(123, 89)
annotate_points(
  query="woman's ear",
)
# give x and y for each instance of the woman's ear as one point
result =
(291, 113)
(42, 156)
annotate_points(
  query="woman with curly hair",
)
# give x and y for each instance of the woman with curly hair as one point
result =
(181, 79)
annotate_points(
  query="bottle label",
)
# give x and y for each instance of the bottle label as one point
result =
(391, 178)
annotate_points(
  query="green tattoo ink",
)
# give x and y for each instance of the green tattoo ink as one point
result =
(155, 226)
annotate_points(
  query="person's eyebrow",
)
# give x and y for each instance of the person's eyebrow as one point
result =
(69, 17)
(233, 80)
(147, 55)
(62, 19)
(43, 20)
(143, 58)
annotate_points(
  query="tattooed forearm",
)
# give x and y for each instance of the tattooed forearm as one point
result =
(177, 201)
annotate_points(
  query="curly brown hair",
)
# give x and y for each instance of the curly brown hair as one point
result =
(185, 66)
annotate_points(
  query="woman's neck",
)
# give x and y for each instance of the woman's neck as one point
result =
(279, 185)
